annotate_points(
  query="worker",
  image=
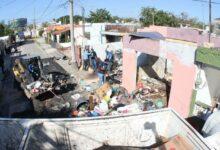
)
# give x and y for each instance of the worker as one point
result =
(93, 59)
(101, 73)
(86, 55)
(109, 59)
(2, 63)
(109, 54)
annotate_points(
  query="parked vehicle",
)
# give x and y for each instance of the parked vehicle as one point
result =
(43, 80)
(20, 38)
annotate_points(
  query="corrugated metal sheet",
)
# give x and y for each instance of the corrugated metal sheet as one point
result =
(149, 35)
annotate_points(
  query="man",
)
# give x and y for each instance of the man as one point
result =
(93, 59)
(109, 59)
(86, 55)
(101, 73)
(109, 54)
(2, 54)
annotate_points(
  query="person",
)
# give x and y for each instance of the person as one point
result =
(101, 73)
(86, 55)
(93, 59)
(109, 54)
(109, 59)
(2, 63)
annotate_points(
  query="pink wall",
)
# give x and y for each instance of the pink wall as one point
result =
(142, 45)
(185, 34)
(183, 80)
(183, 75)
(129, 69)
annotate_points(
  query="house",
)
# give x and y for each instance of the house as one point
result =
(96, 35)
(175, 51)
(216, 26)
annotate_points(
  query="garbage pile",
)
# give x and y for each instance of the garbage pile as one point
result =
(114, 100)
(40, 75)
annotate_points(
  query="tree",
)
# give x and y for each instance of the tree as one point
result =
(2, 30)
(5, 30)
(116, 18)
(66, 19)
(158, 17)
(45, 24)
(163, 18)
(147, 15)
(100, 15)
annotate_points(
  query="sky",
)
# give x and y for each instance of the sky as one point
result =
(46, 10)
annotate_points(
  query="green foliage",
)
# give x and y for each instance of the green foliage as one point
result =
(163, 18)
(31, 26)
(45, 24)
(100, 15)
(41, 32)
(210, 56)
(66, 19)
(5, 30)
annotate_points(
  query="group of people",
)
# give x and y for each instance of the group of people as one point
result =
(102, 68)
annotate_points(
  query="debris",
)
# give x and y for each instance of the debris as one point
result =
(102, 108)
(91, 103)
(101, 92)
(88, 88)
(132, 108)
(76, 96)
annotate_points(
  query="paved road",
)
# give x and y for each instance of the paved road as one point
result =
(14, 100)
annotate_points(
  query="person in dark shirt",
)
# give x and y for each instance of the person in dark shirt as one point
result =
(2, 63)
(86, 55)
(93, 58)
(101, 73)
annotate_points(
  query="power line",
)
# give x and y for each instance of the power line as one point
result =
(55, 10)
(23, 8)
(48, 6)
(8, 3)
(204, 1)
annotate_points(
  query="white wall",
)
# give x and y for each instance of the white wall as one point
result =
(210, 85)
(203, 94)
(100, 48)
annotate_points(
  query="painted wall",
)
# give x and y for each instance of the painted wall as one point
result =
(129, 68)
(184, 34)
(181, 54)
(203, 94)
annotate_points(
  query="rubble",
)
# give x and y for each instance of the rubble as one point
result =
(112, 99)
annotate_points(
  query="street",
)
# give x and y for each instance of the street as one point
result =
(13, 102)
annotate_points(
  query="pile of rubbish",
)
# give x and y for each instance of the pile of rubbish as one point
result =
(45, 82)
(38, 76)
(115, 100)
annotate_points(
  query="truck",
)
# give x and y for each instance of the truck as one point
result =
(20, 38)
(45, 83)
(9, 43)
(156, 129)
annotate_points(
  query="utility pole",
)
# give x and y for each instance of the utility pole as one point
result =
(210, 19)
(153, 17)
(72, 32)
(34, 23)
(83, 25)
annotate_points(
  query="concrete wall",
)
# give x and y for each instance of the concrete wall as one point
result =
(210, 84)
(213, 76)
(181, 54)
(184, 34)
(203, 93)
(129, 68)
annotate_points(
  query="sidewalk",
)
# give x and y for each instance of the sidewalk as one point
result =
(82, 77)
